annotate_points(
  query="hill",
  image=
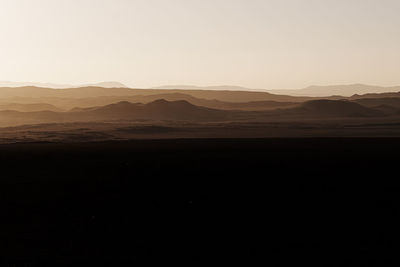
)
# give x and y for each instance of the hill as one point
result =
(29, 107)
(217, 88)
(335, 108)
(156, 110)
(68, 103)
(337, 90)
(85, 92)
(376, 95)
(60, 86)
(181, 110)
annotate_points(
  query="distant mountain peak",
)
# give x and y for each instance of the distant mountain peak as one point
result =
(110, 84)
(338, 108)
(176, 103)
(345, 90)
(159, 101)
(215, 88)
(123, 103)
(106, 84)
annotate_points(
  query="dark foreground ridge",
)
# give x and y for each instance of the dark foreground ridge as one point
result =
(322, 202)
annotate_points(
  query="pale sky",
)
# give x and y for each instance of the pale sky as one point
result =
(271, 44)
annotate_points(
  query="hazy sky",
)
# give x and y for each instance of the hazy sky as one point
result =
(255, 43)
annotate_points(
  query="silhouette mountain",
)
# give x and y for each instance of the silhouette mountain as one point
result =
(376, 95)
(337, 90)
(60, 86)
(156, 110)
(215, 104)
(222, 93)
(29, 107)
(389, 105)
(84, 92)
(218, 88)
(90, 91)
(336, 108)
(68, 103)
(374, 102)
(28, 84)
(182, 110)
(105, 85)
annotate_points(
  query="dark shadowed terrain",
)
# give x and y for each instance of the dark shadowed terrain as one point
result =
(122, 177)
(200, 201)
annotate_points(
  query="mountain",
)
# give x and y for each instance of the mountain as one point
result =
(66, 103)
(29, 107)
(215, 104)
(223, 93)
(337, 90)
(390, 105)
(26, 84)
(159, 110)
(233, 96)
(40, 92)
(311, 91)
(61, 86)
(105, 85)
(91, 91)
(181, 110)
(376, 102)
(376, 95)
(156, 110)
(335, 108)
(218, 88)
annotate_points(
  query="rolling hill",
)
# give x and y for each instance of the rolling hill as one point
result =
(346, 90)
(156, 110)
(60, 86)
(335, 108)
(215, 88)
(181, 110)
(70, 103)
(86, 92)
(29, 107)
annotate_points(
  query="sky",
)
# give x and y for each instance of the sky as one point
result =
(270, 44)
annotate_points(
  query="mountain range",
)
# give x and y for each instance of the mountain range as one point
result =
(338, 90)
(35, 105)
(311, 91)
(61, 86)
(92, 91)
(345, 90)
(218, 88)
(181, 110)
